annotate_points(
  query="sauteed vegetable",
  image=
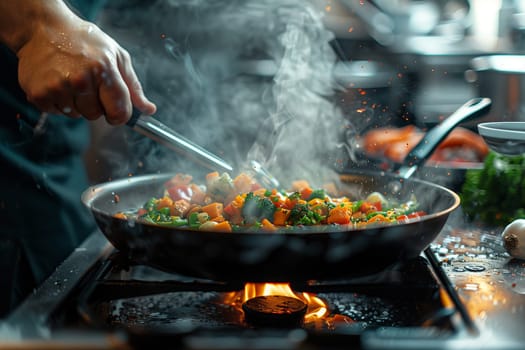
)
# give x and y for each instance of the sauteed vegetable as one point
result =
(225, 204)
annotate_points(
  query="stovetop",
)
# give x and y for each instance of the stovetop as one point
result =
(463, 291)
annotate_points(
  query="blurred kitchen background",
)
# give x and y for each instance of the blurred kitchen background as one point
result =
(216, 71)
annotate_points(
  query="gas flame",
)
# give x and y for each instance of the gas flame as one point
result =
(317, 308)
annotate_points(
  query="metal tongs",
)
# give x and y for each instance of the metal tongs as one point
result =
(161, 133)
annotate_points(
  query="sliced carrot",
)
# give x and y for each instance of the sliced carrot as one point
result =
(290, 203)
(267, 225)
(339, 215)
(164, 202)
(368, 207)
(213, 209)
(378, 218)
(280, 216)
(243, 183)
(306, 192)
(219, 218)
(120, 216)
(223, 226)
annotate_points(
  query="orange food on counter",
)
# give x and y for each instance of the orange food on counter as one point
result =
(461, 144)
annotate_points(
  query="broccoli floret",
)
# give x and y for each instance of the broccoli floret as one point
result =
(302, 215)
(220, 187)
(256, 208)
(321, 194)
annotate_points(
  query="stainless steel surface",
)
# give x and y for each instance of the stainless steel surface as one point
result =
(28, 327)
(502, 78)
(504, 137)
(159, 132)
(490, 283)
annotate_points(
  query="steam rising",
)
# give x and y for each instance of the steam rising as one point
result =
(244, 79)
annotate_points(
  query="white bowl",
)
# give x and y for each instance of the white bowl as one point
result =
(504, 137)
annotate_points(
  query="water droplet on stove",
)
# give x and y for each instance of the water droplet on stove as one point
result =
(475, 268)
(471, 287)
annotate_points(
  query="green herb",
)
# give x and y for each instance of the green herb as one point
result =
(495, 194)
(193, 220)
(295, 195)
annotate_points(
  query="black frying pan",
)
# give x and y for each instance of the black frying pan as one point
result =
(319, 252)
(270, 257)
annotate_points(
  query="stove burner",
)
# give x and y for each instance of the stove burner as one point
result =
(274, 310)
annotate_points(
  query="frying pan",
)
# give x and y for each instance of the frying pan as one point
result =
(316, 252)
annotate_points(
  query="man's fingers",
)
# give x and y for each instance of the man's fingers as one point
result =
(54, 96)
(66, 104)
(138, 99)
(86, 99)
(114, 97)
(89, 105)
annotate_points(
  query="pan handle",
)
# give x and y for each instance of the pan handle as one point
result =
(474, 108)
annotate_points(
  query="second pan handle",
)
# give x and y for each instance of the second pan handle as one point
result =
(474, 108)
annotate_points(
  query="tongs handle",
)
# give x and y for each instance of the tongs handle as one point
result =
(474, 108)
(159, 132)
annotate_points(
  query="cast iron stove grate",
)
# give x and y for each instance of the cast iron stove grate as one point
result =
(153, 307)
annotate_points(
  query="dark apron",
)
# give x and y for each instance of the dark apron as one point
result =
(42, 176)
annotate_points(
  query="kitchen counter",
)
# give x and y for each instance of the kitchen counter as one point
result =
(489, 282)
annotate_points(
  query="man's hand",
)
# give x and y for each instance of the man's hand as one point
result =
(70, 66)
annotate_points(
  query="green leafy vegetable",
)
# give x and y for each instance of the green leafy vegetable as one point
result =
(496, 193)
